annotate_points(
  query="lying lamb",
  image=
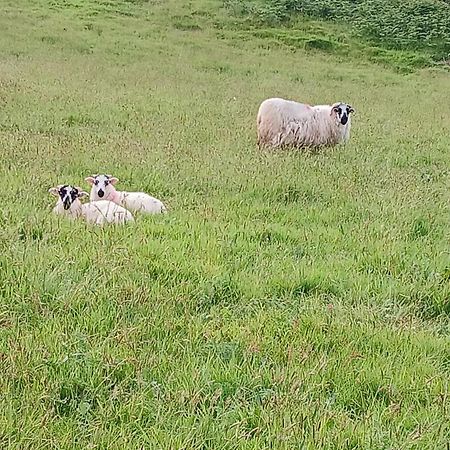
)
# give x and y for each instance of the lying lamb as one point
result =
(98, 213)
(103, 188)
(287, 123)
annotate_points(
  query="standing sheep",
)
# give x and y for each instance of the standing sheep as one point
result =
(287, 123)
(98, 213)
(103, 188)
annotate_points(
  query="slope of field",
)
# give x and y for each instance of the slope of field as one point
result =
(286, 301)
(402, 33)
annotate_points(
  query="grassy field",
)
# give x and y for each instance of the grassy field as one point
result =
(405, 34)
(287, 301)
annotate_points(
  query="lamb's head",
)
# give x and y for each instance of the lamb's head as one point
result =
(67, 194)
(342, 112)
(102, 186)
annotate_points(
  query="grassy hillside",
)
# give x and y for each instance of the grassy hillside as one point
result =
(287, 301)
(403, 34)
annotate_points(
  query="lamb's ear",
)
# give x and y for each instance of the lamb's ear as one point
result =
(113, 180)
(90, 180)
(82, 193)
(351, 109)
(54, 191)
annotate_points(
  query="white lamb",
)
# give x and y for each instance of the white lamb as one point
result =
(97, 213)
(287, 123)
(103, 188)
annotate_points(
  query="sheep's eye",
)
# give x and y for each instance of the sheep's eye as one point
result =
(106, 183)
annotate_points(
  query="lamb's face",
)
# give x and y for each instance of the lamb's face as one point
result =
(102, 185)
(67, 194)
(342, 112)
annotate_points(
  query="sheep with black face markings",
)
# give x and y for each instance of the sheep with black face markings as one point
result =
(283, 122)
(103, 188)
(97, 213)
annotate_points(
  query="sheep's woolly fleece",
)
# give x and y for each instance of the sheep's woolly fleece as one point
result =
(103, 188)
(287, 123)
(97, 213)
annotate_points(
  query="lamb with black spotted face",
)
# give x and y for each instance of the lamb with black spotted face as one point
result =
(103, 187)
(68, 199)
(69, 194)
(97, 213)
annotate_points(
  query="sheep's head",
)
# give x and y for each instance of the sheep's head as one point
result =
(67, 194)
(102, 185)
(342, 112)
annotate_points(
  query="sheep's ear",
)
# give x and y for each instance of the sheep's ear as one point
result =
(54, 191)
(90, 180)
(82, 193)
(351, 109)
(113, 180)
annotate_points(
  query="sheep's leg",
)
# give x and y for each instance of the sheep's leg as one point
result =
(278, 139)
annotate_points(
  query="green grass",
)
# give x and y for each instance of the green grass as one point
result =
(286, 301)
(405, 34)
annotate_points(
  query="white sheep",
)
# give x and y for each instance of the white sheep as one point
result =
(98, 213)
(103, 188)
(287, 123)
